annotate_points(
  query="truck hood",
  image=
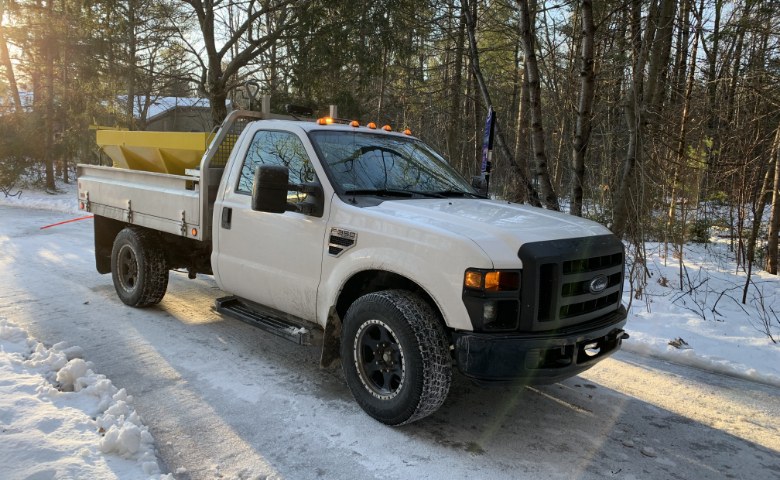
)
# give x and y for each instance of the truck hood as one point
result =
(499, 228)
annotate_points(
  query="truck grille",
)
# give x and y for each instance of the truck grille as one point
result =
(569, 282)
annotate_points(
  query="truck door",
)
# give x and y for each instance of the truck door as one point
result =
(272, 259)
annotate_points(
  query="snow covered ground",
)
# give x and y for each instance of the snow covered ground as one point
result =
(706, 322)
(59, 419)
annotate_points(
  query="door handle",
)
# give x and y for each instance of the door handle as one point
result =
(227, 217)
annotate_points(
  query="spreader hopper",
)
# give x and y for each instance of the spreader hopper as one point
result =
(162, 152)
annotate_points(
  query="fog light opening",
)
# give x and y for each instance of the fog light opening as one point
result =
(489, 312)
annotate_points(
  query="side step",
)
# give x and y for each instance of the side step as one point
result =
(233, 307)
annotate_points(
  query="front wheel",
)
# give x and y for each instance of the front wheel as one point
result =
(395, 356)
(138, 268)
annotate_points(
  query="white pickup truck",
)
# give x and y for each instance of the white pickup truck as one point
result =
(368, 242)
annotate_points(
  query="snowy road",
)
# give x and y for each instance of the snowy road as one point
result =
(224, 400)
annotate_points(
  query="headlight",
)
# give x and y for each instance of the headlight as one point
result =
(492, 280)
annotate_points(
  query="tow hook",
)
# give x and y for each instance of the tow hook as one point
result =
(591, 349)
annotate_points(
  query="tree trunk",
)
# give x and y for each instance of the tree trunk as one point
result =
(454, 125)
(48, 153)
(682, 137)
(499, 135)
(584, 111)
(633, 105)
(5, 58)
(131, 64)
(713, 120)
(546, 191)
(658, 68)
(774, 222)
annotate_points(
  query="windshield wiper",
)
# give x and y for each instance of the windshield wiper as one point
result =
(457, 193)
(392, 192)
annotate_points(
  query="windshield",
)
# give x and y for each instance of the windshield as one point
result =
(366, 164)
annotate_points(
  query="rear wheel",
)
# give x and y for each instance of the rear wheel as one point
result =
(395, 356)
(138, 268)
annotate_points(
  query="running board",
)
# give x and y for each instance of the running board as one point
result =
(233, 307)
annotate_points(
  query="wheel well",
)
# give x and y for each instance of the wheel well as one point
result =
(180, 252)
(106, 230)
(370, 281)
(360, 284)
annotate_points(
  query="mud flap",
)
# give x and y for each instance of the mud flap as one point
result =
(331, 339)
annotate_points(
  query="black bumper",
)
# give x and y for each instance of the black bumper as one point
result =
(541, 357)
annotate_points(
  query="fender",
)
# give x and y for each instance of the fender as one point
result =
(443, 285)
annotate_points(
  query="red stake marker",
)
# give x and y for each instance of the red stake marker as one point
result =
(67, 221)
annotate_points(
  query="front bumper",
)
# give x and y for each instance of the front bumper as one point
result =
(538, 358)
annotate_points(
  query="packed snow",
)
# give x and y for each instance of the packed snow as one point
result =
(60, 419)
(55, 411)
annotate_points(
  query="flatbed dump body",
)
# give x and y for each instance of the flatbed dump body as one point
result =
(163, 202)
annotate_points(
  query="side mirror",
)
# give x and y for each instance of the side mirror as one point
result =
(269, 191)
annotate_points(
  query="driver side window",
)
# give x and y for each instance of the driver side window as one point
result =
(277, 148)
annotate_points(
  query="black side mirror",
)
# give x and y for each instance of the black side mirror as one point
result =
(269, 191)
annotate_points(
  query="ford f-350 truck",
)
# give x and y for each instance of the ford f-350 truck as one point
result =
(367, 240)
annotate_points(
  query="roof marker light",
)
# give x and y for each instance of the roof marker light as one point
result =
(387, 128)
(354, 123)
(324, 121)
(407, 132)
(371, 125)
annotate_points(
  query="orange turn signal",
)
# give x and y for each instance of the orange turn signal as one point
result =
(502, 281)
(473, 279)
(492, 280)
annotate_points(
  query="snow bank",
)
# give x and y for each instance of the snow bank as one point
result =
(704, 324)
(65, 199)
(59, 419)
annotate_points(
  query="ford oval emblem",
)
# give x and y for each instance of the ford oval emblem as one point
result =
(598, 284)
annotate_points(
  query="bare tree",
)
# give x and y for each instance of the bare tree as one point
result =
(585, 107)
(228, 48)
(527, 39)
(5, 59)
(774, 222)
(533, 196)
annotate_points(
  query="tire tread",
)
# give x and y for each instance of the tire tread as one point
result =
(433, 347)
